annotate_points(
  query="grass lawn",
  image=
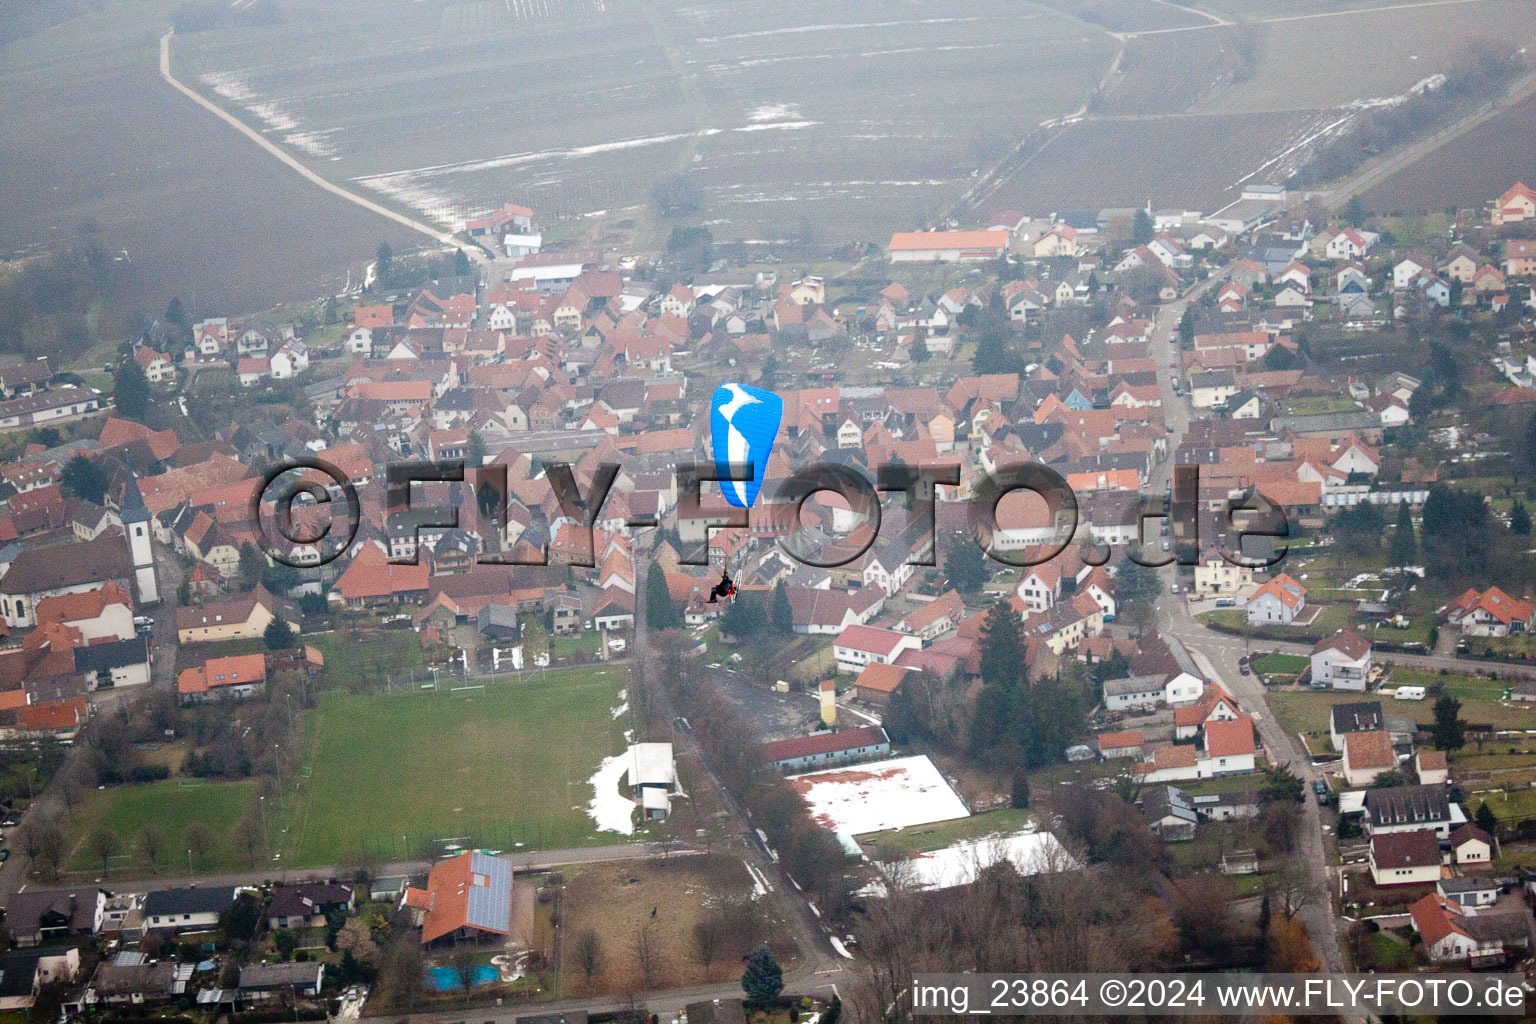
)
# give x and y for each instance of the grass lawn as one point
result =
(370, 653)
(586, 642)
(509, 763)
(1390, 953)
(1512, 647)
(1328, 618)
(922, 838)
(1459, 686)
(171, 807)
(1309, 712)
(1283, 667)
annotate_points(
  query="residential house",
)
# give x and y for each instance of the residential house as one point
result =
(1277, 602)
(1471, 845)
(1431, 767)
(1516, 205)
(192, 909)
(1341, 661)
(1450, 932)
(233, 678)
(1367, 755)
(1405, 858)
(1406, 808)
(1170, 813)
(473, 898)
(244, 617)
(307, 904)
(1364, 716)
(1217, 577)
(43, 917)
(1491, 613)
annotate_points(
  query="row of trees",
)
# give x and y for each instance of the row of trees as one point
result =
(808, 852)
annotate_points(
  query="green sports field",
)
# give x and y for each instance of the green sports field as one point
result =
(170, 807)
(510, 763)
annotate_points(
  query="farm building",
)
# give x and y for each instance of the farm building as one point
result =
(827, 748)
(947, 246)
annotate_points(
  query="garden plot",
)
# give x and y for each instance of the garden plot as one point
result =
(883, 795)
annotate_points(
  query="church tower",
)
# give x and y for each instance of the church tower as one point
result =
(136, 525)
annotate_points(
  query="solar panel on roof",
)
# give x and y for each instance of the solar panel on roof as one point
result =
(490, 904)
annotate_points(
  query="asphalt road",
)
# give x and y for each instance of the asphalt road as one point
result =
(1218, 659)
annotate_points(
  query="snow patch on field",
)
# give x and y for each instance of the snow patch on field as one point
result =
(1029, 850)
(611, 809)
(899, 793)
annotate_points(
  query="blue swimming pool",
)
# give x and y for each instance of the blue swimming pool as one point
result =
(443, 979)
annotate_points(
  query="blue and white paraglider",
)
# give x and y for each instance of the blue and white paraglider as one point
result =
(743, 424)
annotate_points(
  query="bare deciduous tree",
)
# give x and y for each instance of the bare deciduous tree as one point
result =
(644, 949)
(151, 845)
(200, 841)
(709, 936)
(589, 954)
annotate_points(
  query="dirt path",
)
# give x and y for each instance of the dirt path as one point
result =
(437, 235)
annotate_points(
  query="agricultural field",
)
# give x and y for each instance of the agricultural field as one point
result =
(1467, 171)
(182, 203)
(513, 763)
(1098, 163)
(784, 117)
(168, 806)
(1307, 61)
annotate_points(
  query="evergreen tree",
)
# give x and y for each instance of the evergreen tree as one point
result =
(783, 615)
(763, 979)
(1519, 519)
(278, 635)
(1187, 327)
(384, 266)
(175, 313)
(1405, 548)
(1141, 228)
(1486, 819)
(477, 450)
(461, 264)
(660, 612)
(1018, 796)
(130, 390)
(1001, 702)
(251, 564)
(84, 478)
(1449, 732)
(965, 565)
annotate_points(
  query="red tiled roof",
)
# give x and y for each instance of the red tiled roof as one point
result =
(1371, 749)
(1348, 642)
(1120, 740)
(1229, 739)
(1405, 849)
(870, 639)
(880, 678)
(823, 743)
